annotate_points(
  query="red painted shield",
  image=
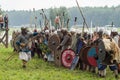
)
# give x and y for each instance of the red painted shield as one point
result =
(88, 55)
(67, 57)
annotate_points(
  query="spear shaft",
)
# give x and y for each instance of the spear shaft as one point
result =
(82, 15)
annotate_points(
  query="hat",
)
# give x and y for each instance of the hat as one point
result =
(78, 31)
(72, 30)
(119, 33)
(35, 30)
(64, 29)
(82, 38)
(23, 28)
(55, 32)
(114, 30)
(46, 31)
(101, 30)
(106, 32)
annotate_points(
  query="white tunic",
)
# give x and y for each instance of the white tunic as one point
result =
(25, 56)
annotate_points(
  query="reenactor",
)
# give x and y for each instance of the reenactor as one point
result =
(6, 21)
(24, 41)
(35, 47)
(66, 40)
(1, 21)
(74, 39)
(107, 55)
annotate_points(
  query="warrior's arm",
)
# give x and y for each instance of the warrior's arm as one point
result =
(19, 43)
(32, 34)
(64, 40)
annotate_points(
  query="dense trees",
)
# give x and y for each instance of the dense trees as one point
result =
(0, 10)
(100, 16)
(62, 12)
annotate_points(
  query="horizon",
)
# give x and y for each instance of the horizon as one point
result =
(62, 6)
(46, 4)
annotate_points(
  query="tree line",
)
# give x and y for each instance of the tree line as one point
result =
(99, 16)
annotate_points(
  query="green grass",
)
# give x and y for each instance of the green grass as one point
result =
(37, 69)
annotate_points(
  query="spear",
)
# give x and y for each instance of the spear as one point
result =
(45, 17)
(84, 21)
(75, 21)
(63, 20)
(68, 23)
(10, 57)
(40, 24)
(35, 18)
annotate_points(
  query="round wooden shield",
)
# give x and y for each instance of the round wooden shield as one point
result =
(101, 51)
(14, 39)
(53, 42)
(11, 43)
(88, 54)
(67, 57)
(83, 54)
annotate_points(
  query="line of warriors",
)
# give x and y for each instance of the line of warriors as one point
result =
(30, 43)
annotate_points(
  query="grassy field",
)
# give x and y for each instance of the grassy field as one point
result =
(37, 69)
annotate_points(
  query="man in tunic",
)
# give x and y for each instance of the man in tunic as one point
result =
(6, 21)
(74, 39)
(111, 55)
(66, 41)
(1, 21)
(23, 42)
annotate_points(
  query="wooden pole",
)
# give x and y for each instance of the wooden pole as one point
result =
(75, 21)
(84, 21)
(6, 38)
(67, 24)
(10, 57)
(46, 22)
(35, 18)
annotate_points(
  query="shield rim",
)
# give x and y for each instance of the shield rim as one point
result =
(51, 48)
(62, 58)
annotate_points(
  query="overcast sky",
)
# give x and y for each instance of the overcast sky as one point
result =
(39, 4)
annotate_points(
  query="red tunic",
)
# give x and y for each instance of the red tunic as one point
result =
(57, 19)
(1, 19)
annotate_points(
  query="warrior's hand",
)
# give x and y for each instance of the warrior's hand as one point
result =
(69, 47)
(22, 45)
(96, 57)
(59, 47)
(115, 62)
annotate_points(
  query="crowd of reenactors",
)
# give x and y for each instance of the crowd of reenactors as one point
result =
(30, 43)
(3, 21)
